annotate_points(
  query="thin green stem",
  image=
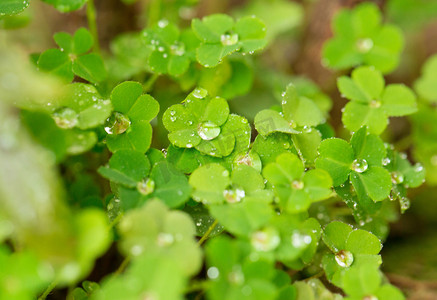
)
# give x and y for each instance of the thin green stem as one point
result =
(91, 15)
(154, 14)
(147, 87)
(48, 290)
(123, 265)
(115, 221)
(208, 232)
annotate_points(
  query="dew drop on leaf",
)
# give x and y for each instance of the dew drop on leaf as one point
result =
(300, 241)
(364, 45)
(229, 39)
(117, 123)
(146, 187)
(397, 177)
(265, 240)
(165, 239)
(234, 196)
(359, 165)
(200, 93)
(212, 273)
(65, 118)
(208, 130)
(344, 258)
(385, 161)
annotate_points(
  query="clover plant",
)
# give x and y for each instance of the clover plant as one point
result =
(180, 161)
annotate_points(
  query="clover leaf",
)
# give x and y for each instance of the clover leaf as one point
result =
(199, 122)
(366, 282)
(131, 170)
(81, 107)
(232, 276)
(296, 188)
(172, 51)
(22, 274)
(298, 115)
(154, 230)
(361, 161)
(221, 36)
(350, 249)
(13, 7)
(371, 102)
(72, 59)
(66, 5)
(360, 38)
(129, 127)
(403, 176)
(425, 86)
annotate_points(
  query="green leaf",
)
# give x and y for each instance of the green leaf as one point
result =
(124, 95)
(90, 67)
(398, 100)
(335, 235)
(317, 183)
(356, 115)
(362, 281)
(126, 167)
(389, 292)
(64, 40)
(335, 157)
(368, 147)
(82, 41)
(66, 5)
(184, 159)
(139, 138)
(369, 81)
(363, 242)
(306, 144)
(212, 27)
(57, 62)
(301, 110)
(287, 168)
(12, 7)
(171, 185)
(268, 121)
(269, 147)
(375, 182)
(242, 218)
(209, 182)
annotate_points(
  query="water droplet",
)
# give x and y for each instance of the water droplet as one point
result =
(370, 297)
(359, 165)
(229, 39)
(299, 240)
(212, 273)
(136, 250)
(364, 45)
(397, 177)
(418, 167)
(236, 276)
(265, 240)
(405, 204)
(189, 145)
(173, 118)
(297, 184)
(200, 93)
(177, 49)
(234, 195)
(165, 239)
(375, 104)
(208, 130)
(344, 258)
(146, 187)
(163, 23)
(117, 123)
(65, 118)
(386, 161)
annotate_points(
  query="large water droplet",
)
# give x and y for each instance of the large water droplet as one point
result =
(165, 239)
(265, 240)
(212, 273)
(297, 184)
(234, 196)
(364, 45)
(146, 187)
(299, 240)
(359, 165)
(65, 117)
(200, 93)
(397, 177)
(162, 23)
(208, 130)
(117, 123)
(344, 258)
(229, 39)
(177, 49)
(405, 204)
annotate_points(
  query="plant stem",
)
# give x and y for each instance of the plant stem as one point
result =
(92, 24)
(208, 232)
(150, 82)
(154, 14)
(115, 221)
(48, 290)
(123, 265)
